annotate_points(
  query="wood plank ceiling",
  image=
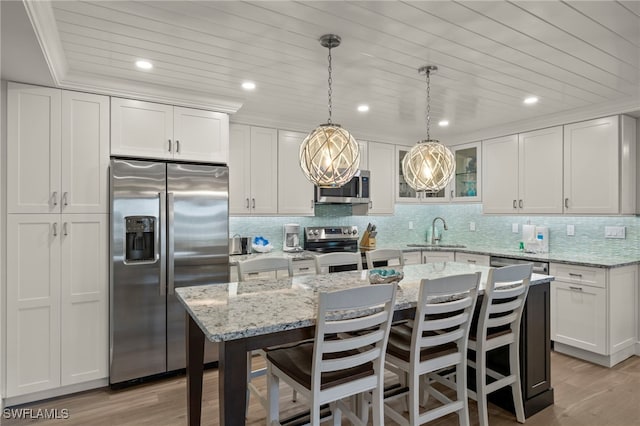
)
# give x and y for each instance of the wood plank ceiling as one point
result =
(490, 54)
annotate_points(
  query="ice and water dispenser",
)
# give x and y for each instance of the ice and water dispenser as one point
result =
(140, 239)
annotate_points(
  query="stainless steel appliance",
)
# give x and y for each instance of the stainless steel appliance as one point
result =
(331, 239)
(169, 228)
(291, 237)
(356, 191)
(239, 245)
(538, 267)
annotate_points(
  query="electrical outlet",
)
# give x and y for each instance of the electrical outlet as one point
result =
(514, 228)
(615, 232)
(571, 230)
(472, 226)
(410, 225)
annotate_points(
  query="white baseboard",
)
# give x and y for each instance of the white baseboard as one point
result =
(637, 348)
(52, 393)
(604, 360)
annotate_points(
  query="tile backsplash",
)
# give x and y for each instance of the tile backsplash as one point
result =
(491, 231)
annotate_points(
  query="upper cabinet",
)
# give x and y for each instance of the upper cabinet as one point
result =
(253, 170)
(295, 192)
(58, 142)
(598, 166)
(523, 173)
(466, 184)
(405, 193)
(150, 130)
(381, 164)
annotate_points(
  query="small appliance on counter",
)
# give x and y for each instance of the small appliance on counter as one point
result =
(291, 238)
(535, 238)
(239, 245)
(368, 240)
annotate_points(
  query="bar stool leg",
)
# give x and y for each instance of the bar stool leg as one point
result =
(516, 389)
(481, 387)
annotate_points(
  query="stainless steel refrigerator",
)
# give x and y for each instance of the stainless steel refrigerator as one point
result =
(169, 228)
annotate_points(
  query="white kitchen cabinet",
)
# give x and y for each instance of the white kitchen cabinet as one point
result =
(466, 185)
(363, 146)
(598, 166)
(57, 301)
(594, 312)
(253, 170)
(404, 193)
(429, 256)
(472, 259)
(381, 164)
(295, 192)
(151, 130)
(412, 257)
(521, 173)
(58, 145)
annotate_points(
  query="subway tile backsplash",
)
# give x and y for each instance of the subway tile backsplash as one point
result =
(491, 231)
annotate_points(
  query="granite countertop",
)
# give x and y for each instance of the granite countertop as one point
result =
(236, 310)
(295, 256)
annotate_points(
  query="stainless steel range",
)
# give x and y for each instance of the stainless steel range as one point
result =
(331, 239)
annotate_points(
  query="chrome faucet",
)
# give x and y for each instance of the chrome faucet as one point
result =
(435, 240)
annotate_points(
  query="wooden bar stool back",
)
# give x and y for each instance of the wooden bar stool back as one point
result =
(384, 254)
(324, 261)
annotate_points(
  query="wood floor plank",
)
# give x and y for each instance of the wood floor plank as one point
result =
(586, 395)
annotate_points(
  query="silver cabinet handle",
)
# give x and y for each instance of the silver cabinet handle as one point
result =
(452, 194)
(304, 269)
(370, 204)
(520, 204)
(575, 288)
(471, 261)
(566, 203)
(178, 146)
(55, 229)
(571, 274)
(311, 204)
(169, 145)
(247, 203)
(514, 204)
(64, 229)
(160, 241)
(64, 198)
(253, 203)
(170, 245)
(54, 198)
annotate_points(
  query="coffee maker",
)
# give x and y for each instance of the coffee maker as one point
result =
(291, 237)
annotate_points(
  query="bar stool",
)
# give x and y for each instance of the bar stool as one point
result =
(324, 261)
(383, 254)
(499, 325)
(345, 358)
(252, 266)
(435, 342)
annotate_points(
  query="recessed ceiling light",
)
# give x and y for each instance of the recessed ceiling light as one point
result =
(530, 100)
(443, 123)
(145, 65)
(248, 85)
(363, 108)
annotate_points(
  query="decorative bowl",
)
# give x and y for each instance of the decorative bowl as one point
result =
(385, 276)
(262, 249)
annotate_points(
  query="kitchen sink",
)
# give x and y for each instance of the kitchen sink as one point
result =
(428, 246)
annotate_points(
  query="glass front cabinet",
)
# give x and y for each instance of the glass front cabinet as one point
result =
(465, 186)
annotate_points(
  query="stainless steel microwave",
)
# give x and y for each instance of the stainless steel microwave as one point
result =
(356, 191)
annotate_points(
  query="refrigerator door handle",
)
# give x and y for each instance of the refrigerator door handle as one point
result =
(160, 243)
(170, 243)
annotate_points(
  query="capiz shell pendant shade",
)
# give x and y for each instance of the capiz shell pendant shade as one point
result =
(329, 156)
(428, 166)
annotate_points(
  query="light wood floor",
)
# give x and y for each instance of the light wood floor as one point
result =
(585, 395)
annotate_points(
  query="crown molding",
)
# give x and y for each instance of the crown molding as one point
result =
(620, 106)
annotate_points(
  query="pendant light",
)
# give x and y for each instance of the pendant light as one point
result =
(429, 165)
(329, 155)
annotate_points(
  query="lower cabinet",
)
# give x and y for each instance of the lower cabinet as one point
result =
(472, 259)
(57, 301)
(594, 311)
(412, 257)
(437, 256)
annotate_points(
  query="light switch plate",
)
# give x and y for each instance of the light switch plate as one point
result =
(472, 226)
(571, 230)
(514, 228)
(615, 232)
(410, 225)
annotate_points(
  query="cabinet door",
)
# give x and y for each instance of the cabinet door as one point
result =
(295, 192)
(500, 175)
(472, 259)
(201, 135)
(363, 146)
(33, 145)
(264, 170)
(33, 303)
(578, 316)
(381, 161)
(412, 258)
(467, 182)
(85, 153)
(591, 169)
(404, 193)
(141, 129)
(84, 297)
(239, 169)
(437, 256)
(540, 169)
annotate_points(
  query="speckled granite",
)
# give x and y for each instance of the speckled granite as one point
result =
(303, 255)
(236, 310)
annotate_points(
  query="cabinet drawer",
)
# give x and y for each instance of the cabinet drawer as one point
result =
(582, 275)
(473, 259)
(437, 256)
(412, 258)
(301, 267)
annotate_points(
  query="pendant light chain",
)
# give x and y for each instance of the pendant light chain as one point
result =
(428, 118)
(329, 81)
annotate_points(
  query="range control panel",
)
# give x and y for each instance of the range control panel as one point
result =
(319, 233)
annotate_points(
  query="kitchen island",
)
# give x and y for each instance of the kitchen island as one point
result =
(256, 314)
